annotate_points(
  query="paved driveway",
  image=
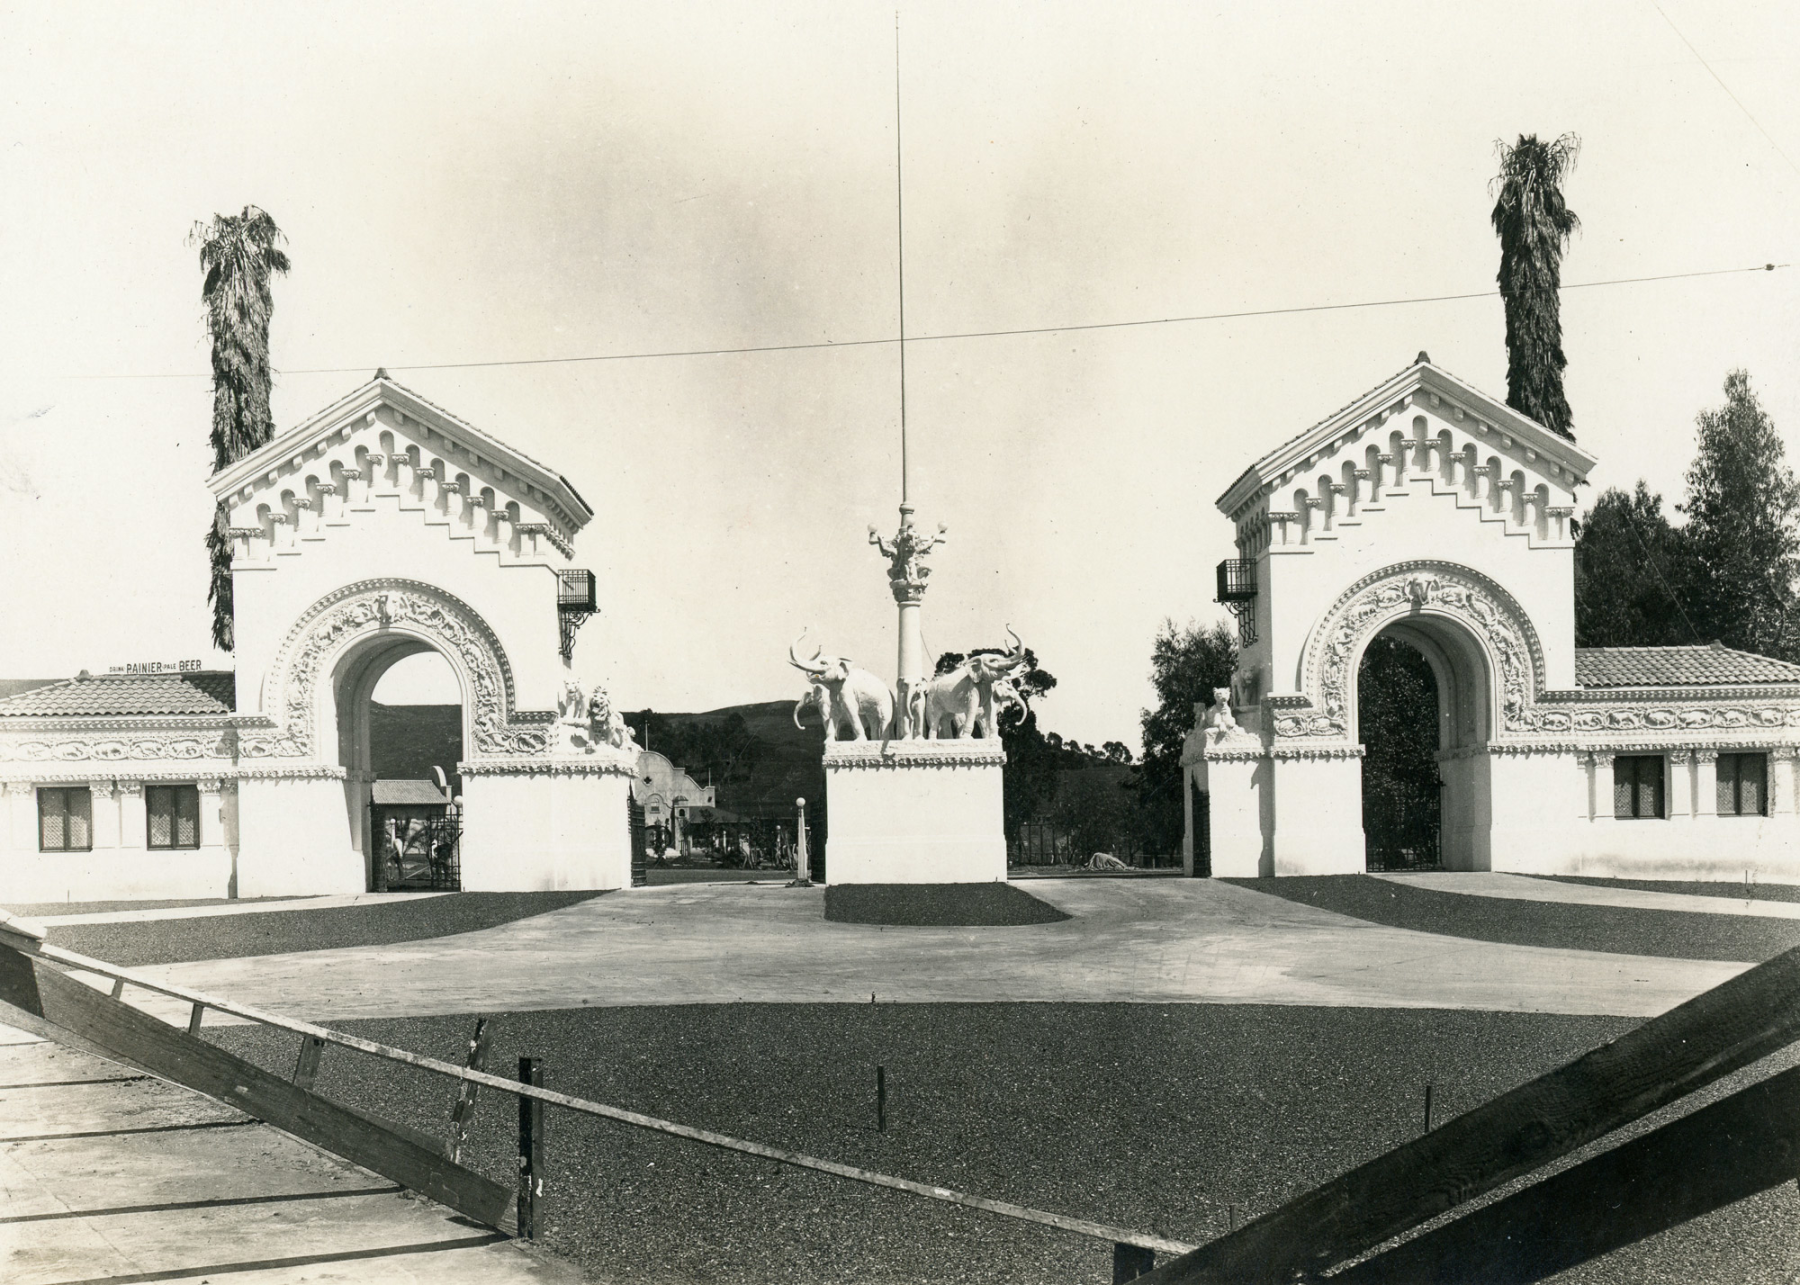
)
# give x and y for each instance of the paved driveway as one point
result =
(1197, 941)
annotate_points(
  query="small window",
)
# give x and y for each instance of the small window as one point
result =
(174, 815)
(65, 820)
(1743, 785)
(1638, 786)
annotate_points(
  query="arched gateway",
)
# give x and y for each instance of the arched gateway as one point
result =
(380, 528)
(1429, 513)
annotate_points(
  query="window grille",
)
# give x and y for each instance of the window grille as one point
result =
(172, 816)
(1638, 787)
(65, 820)
(1743, 785)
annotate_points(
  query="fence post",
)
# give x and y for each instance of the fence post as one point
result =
(306, 1066)
(1131, 1262)
(531, 1148)
(465, 1096)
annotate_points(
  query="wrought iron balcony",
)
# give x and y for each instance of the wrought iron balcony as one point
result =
(575, 592)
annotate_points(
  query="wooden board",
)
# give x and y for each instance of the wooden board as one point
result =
(1748, 1143)
(1691, 1045)
(56, 1005)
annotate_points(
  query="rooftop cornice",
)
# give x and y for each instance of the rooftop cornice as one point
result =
(1527, 433)
(383, 391)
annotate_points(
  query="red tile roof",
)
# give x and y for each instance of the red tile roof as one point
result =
(1713, 666)
(207, 692)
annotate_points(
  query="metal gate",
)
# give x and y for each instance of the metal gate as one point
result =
(1202, 831)
(418, 849)
(640, 846)
(1403, 824)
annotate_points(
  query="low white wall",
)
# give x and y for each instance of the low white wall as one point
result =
(121, 866)
(1318, 816)
(925, 812)
(295, 840)
(545, 832)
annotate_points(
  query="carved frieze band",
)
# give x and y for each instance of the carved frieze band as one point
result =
(595, 765)
(102, 748)
(916, 753)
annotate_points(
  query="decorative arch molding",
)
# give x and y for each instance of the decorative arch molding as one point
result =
(369, 608)
(1418, 587)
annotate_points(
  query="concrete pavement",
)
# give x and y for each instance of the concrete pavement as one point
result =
(1195, 941)
(1525, 888)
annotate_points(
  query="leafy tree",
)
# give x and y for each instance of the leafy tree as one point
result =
(1634, 574)
(1534, 226)
(1116, 752)
(238, 253)
(1185, 665)
(1743, 511)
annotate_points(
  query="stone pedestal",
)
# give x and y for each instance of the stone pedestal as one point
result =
(914, 811)
(1233, 777)
(549, 824)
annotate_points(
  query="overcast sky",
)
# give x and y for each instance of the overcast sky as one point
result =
(477, 183)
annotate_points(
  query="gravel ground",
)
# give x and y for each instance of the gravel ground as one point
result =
(35, 909)
(173, 941)
(938, 905)
(1150, 1117)
(1691, 887)
(1672, 934)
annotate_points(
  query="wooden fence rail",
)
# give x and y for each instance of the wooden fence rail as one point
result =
(1650, 1066)
(26, 946)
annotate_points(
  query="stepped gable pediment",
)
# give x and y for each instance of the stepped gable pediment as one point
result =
(384, 419)
(1495, 429)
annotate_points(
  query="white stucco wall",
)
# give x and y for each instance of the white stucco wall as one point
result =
(923, 812)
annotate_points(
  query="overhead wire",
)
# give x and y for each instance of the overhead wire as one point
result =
(961, 334)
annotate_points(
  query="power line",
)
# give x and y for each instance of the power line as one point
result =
(1781, 151)
(971, 334)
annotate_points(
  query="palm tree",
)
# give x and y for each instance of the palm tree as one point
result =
(238, 253)
(1534, 226)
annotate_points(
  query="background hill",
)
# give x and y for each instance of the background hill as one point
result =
(759, 761)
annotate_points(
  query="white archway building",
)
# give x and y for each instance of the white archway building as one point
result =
(1430, 512)
(379, 528)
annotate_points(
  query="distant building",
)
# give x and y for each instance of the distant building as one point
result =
(667, 793)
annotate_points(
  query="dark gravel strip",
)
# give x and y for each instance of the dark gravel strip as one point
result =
(1690, 887)
(1151, 1117)
(938, 905)
(1671, 934)
(277, 932)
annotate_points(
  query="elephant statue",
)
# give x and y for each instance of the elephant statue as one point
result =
(860, 704)
(817, 697)
(956, 702)
(1005, 694)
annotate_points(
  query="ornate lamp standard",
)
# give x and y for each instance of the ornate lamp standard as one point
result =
(907, 573)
